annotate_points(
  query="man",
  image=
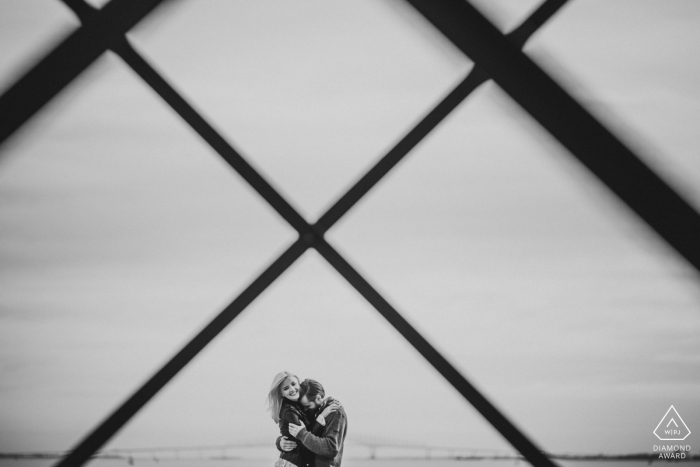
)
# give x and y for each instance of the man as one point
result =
(329, 446)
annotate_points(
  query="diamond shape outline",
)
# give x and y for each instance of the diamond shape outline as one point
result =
(663, 418)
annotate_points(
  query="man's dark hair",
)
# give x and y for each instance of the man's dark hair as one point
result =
(311, 388)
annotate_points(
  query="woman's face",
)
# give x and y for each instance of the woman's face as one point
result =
(290, 388)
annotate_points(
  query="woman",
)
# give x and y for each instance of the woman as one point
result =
(285, 408)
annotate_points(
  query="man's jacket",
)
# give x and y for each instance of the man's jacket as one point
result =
(329, 446)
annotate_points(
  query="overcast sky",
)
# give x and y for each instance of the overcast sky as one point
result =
(122, 233)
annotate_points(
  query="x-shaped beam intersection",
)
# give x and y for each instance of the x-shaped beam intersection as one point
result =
(496, 56)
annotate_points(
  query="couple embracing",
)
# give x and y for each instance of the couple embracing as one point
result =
(312, 425)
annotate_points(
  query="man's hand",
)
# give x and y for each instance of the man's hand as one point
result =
(286, 444)
(295, 429)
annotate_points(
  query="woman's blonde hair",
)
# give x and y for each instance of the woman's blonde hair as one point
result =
(274, 398)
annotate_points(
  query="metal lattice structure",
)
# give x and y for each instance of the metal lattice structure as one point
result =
(496, 56)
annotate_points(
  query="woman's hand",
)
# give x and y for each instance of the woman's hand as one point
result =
(287, 444)
(332, 407)
(295, 429)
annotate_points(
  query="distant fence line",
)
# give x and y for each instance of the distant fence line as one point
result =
(390, 450)
(219, 451)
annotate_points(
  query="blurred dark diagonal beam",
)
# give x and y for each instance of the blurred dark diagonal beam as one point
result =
(134, 403)
(587, 139)
(121, 46)
(70, 58)
(537, 18)
(211, 136)
(113, 423)
(308, 236)
(83, 10)
(151, 77)
(398, 152)
(476, 77)
(112, 37)
(512, 434)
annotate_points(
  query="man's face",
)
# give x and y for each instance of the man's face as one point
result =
(312, 404)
